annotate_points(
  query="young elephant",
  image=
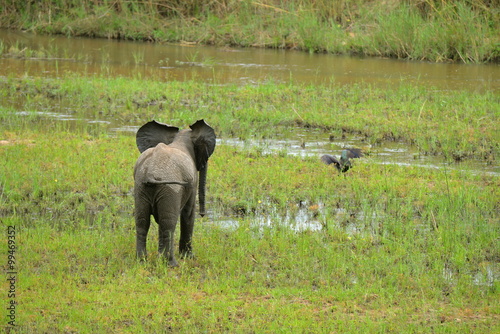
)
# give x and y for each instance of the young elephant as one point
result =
(166, 179)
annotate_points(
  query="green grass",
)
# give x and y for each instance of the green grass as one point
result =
(462, 31)
(401, 249)
(246, 281)
(457, 125)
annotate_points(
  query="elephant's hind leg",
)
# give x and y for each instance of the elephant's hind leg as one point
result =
(166, 215)
(166, 238)
(142, 223)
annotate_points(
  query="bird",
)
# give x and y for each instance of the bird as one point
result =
(343, 164)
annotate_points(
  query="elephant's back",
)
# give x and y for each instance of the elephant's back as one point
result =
(165, 164)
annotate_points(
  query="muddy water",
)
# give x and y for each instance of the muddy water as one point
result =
(230, 65)
(306, 142)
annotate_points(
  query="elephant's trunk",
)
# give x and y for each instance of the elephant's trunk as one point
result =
(201, 189)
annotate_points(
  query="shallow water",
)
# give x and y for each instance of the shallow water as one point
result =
(237, 65)
(306, 142)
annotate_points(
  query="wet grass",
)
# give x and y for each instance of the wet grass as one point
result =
(456, 125)
(463, 31)
(413, 250)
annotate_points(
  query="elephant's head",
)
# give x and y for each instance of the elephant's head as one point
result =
(203, 142)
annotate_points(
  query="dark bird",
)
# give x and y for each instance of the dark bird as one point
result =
(343, 164)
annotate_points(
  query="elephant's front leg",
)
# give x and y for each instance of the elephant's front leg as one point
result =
(187, 224)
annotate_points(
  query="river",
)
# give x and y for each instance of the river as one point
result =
(222, 65)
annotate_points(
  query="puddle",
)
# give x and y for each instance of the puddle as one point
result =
(354, 224)
(47, 114)
(485, 276)
(305, 142)
(300, 220)
(310, 143)
(305, 217)
(488, 276)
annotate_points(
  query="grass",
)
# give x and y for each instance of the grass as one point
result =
(401, 248)
(462, 31)
(269, 282)
(456, 125)
(71, 202)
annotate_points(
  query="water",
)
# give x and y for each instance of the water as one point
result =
(241, 66)
(231, 65)
(305, 142)
(314, 143)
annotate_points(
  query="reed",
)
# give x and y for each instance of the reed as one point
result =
(464, 31)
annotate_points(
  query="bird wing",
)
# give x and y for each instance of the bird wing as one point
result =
(330, 159)
(354, 153)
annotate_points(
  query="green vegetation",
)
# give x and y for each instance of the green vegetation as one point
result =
(435, 30)
(458, 125)
(17, 50)
(401, 249)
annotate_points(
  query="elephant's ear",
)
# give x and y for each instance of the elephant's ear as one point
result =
(203, 137)
(152, 133)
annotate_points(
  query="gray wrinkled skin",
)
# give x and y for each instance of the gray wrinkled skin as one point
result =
(166, 180)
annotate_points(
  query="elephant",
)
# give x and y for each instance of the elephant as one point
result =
(343, 164)
(166, 181)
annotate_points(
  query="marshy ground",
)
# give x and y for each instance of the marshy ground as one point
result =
(393, 248)
(289, 245)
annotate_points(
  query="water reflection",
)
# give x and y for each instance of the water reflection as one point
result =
(231, 65)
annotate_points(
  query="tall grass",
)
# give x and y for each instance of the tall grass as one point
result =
(442, 33)
(464, 31)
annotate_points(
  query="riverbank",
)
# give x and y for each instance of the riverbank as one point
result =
(429, 30)
(399, 248)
